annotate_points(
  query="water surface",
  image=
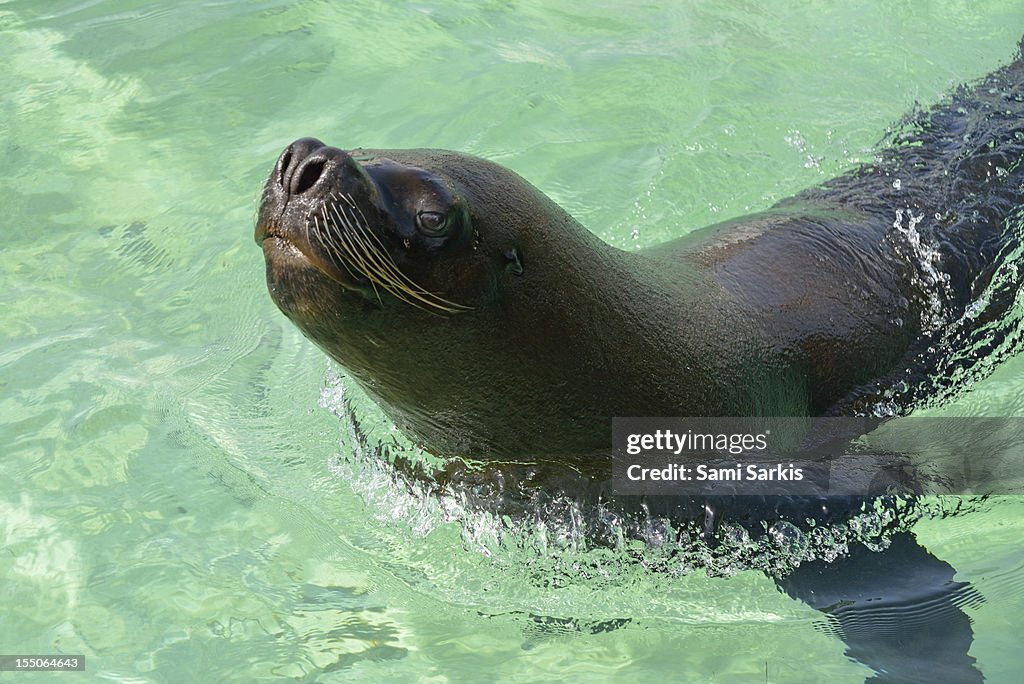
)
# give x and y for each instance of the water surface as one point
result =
(175, 494)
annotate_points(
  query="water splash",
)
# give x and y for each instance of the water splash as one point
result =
(563, 538)
(927, 260)
(960, 347)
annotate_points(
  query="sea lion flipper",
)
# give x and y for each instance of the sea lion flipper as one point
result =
(898, 611)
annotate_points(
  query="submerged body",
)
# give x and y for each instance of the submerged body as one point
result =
(487, 323)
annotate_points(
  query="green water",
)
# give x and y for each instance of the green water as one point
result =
(171, 500)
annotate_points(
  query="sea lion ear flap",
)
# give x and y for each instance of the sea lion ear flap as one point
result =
(515, 264)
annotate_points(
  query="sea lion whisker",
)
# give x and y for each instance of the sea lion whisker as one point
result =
(378, 256)
(357, 258)
(360, 256)
(388, 278)
(379, 275)
(333, 249)
(375, 267)
(339, 242)
(349, 238)
(401, 283)
(376, 293)
(321, 234)
(410, 286)
(328, 248)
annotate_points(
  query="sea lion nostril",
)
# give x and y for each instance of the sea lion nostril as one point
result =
(307, 176)
(294, 160)
(283, 167)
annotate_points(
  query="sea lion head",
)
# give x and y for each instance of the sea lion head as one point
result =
(384, 231)
(412, 268)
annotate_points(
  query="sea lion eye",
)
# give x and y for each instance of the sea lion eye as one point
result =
(432, 223)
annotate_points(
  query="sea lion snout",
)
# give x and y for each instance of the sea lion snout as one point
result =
(307, 177)
(305, 163)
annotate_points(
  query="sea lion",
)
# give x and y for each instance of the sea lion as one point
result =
(486, 322)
